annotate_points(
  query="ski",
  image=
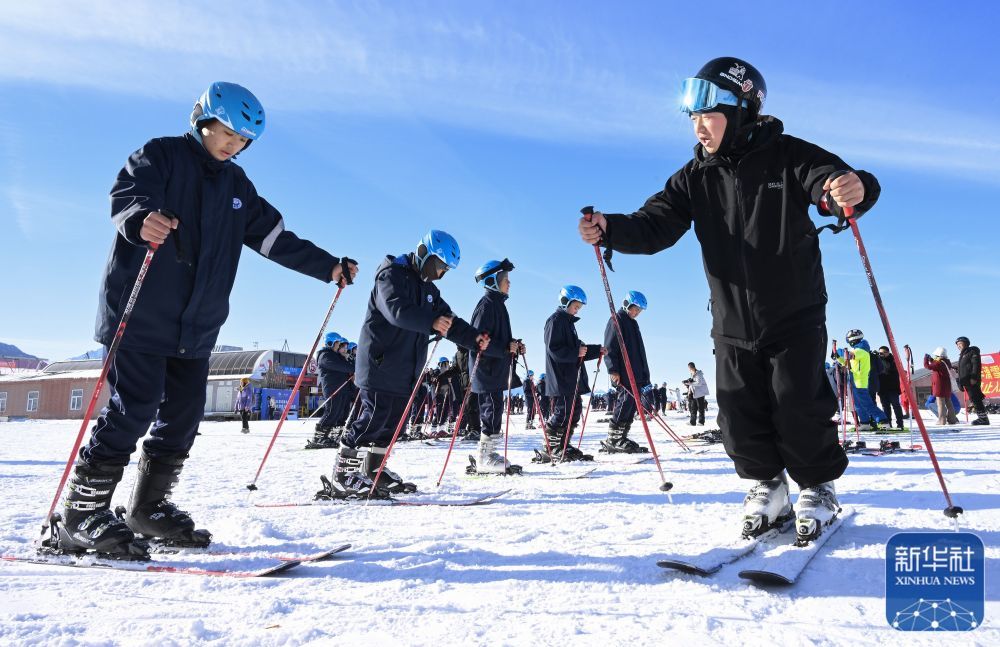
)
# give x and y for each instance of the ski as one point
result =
(91, 561)
(607, 460)
(320, 556)
(783, 563)
(477, 500)
(712, 560)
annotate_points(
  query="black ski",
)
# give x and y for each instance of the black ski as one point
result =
(92, 561)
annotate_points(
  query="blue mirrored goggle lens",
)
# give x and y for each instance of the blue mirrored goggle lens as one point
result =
(699, 95)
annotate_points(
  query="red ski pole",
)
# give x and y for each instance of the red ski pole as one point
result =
(402, 418)
(295, 389)
(458, 419)
(664, 484)
(572, 409)
(129, 306)
(538, 410)
(586, 412)
(952, 511)
(506, 428)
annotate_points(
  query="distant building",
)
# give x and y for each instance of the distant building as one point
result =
(64, 389)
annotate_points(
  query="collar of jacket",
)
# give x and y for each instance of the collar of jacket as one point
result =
(211, 164)
(497, 296)
(757, 135)
(572, 318)
(408, 261)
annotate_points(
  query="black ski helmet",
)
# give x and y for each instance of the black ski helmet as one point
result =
(740, 78)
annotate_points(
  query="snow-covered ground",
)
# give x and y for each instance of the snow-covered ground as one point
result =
(554, 562)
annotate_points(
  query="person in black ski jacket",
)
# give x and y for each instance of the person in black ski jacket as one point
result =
(404, 310)
(185, 197)
(565, 376)
(624, 412)
(747, 193)
(970, 367)
(888, 387)
(335, 370)
(492, 376)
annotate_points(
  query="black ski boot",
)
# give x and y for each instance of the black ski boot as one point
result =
(618, 441)
(574, 454)
(349, 479)
(388, 480)
(554, 437)
(324, 438)
(88, 525)
(981, 419)
(151, 513)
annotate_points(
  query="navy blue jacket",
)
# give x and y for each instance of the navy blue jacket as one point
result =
(491, 316)
(181, 307)
(562, 356)
(392, 350)
(633, 343)
(333, 369)
(529, 391)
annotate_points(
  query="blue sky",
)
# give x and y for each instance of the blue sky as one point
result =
(496, 122)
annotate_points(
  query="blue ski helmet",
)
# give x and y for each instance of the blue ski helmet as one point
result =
(570, 293)
(233, 106)
(441, 244)
(542, 376)
(332, 338)
(351, 346)
(488, 274)
(530, 373)
(442, 360)
(634, 298)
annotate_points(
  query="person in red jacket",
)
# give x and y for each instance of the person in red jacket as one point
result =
(940, 368)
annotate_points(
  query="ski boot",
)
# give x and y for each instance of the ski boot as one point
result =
(981, 419)
(88, 525)
(488, 461)
(553, 445)
(766, 507)
(529, 425)
(817, 508)
(472, 435)
(387, 480)
(322, 439)
(618, 442)
(151, 513)
(349, 479)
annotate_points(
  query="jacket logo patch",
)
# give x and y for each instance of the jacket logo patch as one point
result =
(430, 299)
(776, 185)
(237, 203)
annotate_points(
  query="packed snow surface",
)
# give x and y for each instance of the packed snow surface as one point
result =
(556, 561)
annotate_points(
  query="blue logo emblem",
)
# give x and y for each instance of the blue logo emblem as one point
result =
(430, 299)
(934, 581)
(237, 203)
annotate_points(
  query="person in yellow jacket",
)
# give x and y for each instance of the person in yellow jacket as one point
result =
(862, 378)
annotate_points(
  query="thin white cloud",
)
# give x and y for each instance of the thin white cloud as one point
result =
(435, 63)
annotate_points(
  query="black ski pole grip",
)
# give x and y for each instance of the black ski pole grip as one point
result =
(182, 255)
(588, 213)
(345, 270)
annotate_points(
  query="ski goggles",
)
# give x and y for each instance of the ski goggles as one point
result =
(504, 266)
(699, 95)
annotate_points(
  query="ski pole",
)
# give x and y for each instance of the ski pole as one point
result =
(909, 360)
(126, 314)
(586, 412)
(295, 389)
(952, 511)
(331, 397)
(572, 410)
(352, 414)
(538, 410)
(506, 429)
(663, 425)
(665, 486)
(402, 418)
(458, 420)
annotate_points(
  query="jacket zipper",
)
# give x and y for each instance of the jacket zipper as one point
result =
(743, 259)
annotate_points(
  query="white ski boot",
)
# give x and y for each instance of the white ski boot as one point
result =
(489, 461)
(766, 506)
(817, 508)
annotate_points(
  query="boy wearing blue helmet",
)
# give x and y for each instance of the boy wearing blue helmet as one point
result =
(624, 411)
(566, 376)
(405, 310)
(334, 372)
(747, 192)
(490, 378)
(185, 195)
(529, 400)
